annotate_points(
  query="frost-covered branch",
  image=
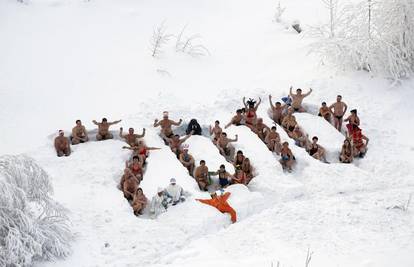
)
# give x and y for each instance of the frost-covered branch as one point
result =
(279, 12)
(190, 44)
(159, 39)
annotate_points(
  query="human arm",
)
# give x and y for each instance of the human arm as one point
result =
(156, 123)
(258, 104)
(95, 122)
(308, 93)
(176, 123)
(244, 102)
(235, 139)
(270, 101)
(141, 135)
(121, 131)
(114, 122)
(290, 91)
(366, 139)
(345, 109)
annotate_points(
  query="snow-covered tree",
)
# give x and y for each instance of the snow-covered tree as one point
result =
(374, 35)
(159, 39)
(32, 225)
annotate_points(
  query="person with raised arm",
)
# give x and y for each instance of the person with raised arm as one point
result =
(251, 110)
(237, 119)
(103, 129)
(297, 99)
(220, 203)
(131, 138)
(166, 124)
(277, 111)
(175, 143)
(223, 144)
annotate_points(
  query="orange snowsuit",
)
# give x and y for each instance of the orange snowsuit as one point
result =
(220, 203)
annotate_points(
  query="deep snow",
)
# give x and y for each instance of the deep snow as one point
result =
(67, 60)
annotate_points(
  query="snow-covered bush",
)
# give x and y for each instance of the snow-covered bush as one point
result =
(190, 44)
(373, 35)
(32, 225)
(279, 12)
(159, 39)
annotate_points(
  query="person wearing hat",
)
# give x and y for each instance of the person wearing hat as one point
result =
(187, 160)
(220, 203)
(103, 129)
(175, 143)
(166, 123)
(62, 145)
(159, 203)
(174, 192)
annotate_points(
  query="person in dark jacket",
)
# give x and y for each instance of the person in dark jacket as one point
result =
(194, 127)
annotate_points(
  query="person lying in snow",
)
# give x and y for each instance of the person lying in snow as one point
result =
(127, 174)
(174, 193)
(239, 176)
(360, 147)
(79, 134)
(298, 98)
(130, 184)
(62, 145)
(193, 127)
(347, 154)
(325, 112)
(289, 122)
(159, 203)
(175, 143)
(215, 131)
(141, 150)
(277, 111)
(166, 123)
(261, 129)
(135, 167)
(353, 120)
(338, 110)
(272, 140)
(224, 176)
(251, 109)
(201, 175)
(238, 160)
(131, 138)
(139, 202)
(316, 151)
(237, 120)
(103, 129)
(220, 203)
(300, 138)
(187, 160)
(247, 169)
(287, 158)
(223, 144)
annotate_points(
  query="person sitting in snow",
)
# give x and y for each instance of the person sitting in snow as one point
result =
(238, 160)
(300, 138)
(347, 154)
(261, 129)
(277, 111)
(316, 151)
(62, 145)
(338, 110)
(287, 158)
(239, 176)
(220, 203)
(139, 202)
(223, 144)
(135, 167)
(272, 140)
(79, 134)
(141, 150)
(127, 174)
(103, 129)
(247, 169)
(174, 192)
(166, 123)
(159, 203)
(360, 147)
(353, 120)
(131, 138)
(201, 176)
(298, 98)
(187, 160)
(215, 131)
(251, 109)
(193, 128)
(224, 176)
(237, 120)
(325, 112)
(289, 122)
(130, 186)
(175, 143)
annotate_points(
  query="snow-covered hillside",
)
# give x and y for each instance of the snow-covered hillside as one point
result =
(68, 60)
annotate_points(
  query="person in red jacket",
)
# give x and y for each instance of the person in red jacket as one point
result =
(220, 203)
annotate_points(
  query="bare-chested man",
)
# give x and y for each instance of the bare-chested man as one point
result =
(166, 123)
(175, 143)
(79, 133)
(298, 98)
(287, 159)
(131, 138)
(215, 131)
(289, 122)
(325, 112)
(62, 145)
(223, 144)
(201, 176)
(103, 129)
(187, 160)
(277, 111)
(130, 186)
(272, 140)
(300, 138)
(338, 110)
(261, 129)
(237, 120)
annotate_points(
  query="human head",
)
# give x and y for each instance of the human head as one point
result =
(239, 112)
(251, 103)
(246, 160)
(354, 111)
(278, 104)
(299, 91)
(222, 167)
(273, 128)
(314, 139)
(173, 181)
(338, 98)
(260, 120)
(323, 104)
(139, 191)
(135, 159)
(126, 171)
(104, 120)
(139, 142)
(78, 122)
(213, 195)
(285, 144)
(176, 137)
(297, 128)
(165, 114)
(217, 123)
(160, 191)
(61, 133)
(202, 162)
(223, 134)
(347, 141)
(131, 130)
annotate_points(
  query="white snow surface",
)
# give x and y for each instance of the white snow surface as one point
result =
(64, 60)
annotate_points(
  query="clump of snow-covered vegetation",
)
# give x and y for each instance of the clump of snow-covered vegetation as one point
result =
(32, 225)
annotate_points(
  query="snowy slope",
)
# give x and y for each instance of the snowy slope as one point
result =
(64, 60)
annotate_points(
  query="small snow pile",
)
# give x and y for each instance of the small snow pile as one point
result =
(32, 225)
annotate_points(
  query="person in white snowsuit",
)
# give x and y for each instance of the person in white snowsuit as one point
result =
(158, 204)
(174, 192)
